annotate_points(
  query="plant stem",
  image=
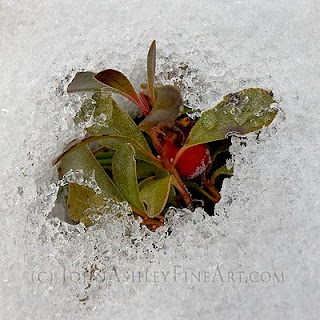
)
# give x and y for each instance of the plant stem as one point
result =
(178, 155)
(152, 223)
(215, 193)
(177, 181)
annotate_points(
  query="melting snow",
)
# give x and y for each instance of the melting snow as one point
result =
(258, 258)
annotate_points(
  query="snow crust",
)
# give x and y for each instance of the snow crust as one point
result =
(258, 258)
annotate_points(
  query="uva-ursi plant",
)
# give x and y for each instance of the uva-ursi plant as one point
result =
(163, 157)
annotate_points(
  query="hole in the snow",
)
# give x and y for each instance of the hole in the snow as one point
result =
(169, 156)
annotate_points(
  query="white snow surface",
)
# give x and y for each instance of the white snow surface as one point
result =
(258, 258)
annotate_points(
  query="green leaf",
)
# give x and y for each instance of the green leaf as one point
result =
(151, 69)
(172, 197)
(104, 155)
(125, 175)
(117, 122)
(220, 171)
(77, 144)
(80, 199)
(119, 82)
(84, 82)
(155, 195)
(143, 182)
(83, 159)
(241, 112)
(168, 107)
(145, 169)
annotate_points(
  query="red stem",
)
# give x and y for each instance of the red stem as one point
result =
(171, 168)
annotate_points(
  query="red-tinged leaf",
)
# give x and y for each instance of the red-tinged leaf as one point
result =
(120, 83)
(167, 107)
(151, 69)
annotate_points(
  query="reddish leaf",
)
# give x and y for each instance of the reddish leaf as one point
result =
(167, 107)
(120, 83)
(151, 69)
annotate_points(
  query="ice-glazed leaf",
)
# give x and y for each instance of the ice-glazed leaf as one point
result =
(84, 82)
(83, 159)
(154, 194)
(81, 199)
(151, 69)
(119, 82)
(116, 122)
(125, 175)
(241, 112)
(168, 107)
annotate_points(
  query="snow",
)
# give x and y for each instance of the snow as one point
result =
(268, 219)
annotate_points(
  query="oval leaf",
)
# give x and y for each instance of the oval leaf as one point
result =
(168, 107)
(155, 195)
(117, 122)
(125, 175)
(145, 169)
(80, 199)
(119, 82)
(83, 159)
(241, 112)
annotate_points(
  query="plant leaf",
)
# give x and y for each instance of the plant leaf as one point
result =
(241, 112)
(119, 82)
(84, 82)
(168, 107)
(145, 169)
(117, 122)
(155, 195)
(80, 199)
(143, 182)
(151, 69)
(83, 159)
(220, 171)
(77, 144)
(172, 197)
(125, 175)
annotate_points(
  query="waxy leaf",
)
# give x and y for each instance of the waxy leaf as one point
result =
(151, 69)
(125, 175)
(83, 159)
(117, 122)
(241, 112)
(121, 85)
(154, 194)
(81, 199)
(168, 107)
(84, 82)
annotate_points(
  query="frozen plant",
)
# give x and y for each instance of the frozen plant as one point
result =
(163, 157)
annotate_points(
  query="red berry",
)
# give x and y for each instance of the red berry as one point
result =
(192, 162)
